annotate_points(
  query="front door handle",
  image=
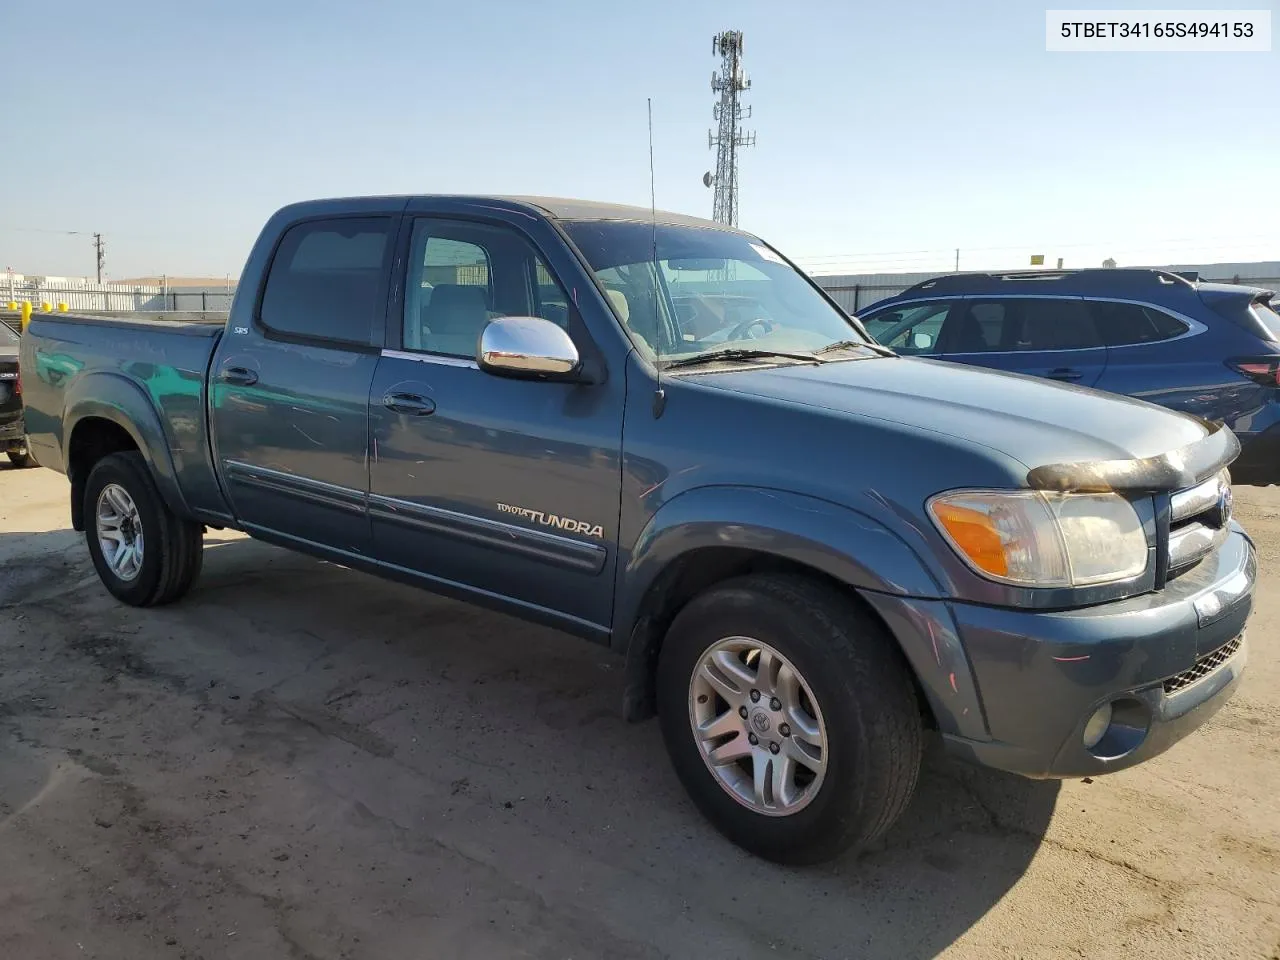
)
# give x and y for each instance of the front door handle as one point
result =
(409, 403)
(1065, 373)
(241, 376)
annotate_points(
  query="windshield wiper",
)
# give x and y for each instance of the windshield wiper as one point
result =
(738, 353)
(851, 344)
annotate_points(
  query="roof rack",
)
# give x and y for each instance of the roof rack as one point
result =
(1090, 279)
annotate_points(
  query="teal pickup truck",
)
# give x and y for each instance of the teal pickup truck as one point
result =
(655, 433)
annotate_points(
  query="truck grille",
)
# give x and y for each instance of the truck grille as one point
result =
(1198, 521)
(1204, 666)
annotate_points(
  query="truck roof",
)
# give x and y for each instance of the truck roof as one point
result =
(555, 208)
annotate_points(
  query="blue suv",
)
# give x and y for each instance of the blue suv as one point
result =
(1207, 349)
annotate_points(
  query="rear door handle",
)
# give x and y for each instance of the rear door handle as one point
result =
(241, 376)
(409, 403)
(1065, 373)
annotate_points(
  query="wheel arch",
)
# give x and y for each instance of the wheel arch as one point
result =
(710, 535)
(107, 414)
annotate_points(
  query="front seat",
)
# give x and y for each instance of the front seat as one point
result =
(454, 318)
(967, 337)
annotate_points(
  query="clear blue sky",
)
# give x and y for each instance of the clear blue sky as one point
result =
(175, 129)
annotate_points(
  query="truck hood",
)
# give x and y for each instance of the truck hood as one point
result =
(1068, 437)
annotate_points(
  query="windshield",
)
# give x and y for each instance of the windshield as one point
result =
(707, 290)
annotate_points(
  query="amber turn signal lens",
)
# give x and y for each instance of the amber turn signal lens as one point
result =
(973, 532)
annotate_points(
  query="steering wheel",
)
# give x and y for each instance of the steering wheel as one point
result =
(743, 330)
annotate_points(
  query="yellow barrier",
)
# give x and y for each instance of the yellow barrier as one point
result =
(62, 308)
(46, 306)
(13, 304)
(26, 315)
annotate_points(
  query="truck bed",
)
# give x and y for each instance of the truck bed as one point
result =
(84, 365)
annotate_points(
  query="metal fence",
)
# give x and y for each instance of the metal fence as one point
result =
(120, 301)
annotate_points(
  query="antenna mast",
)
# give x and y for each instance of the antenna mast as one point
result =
(729, 82)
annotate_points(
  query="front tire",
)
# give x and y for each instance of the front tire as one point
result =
(145, 554)
(790, 717)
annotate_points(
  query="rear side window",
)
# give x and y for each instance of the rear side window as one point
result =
(326, 279)
(1122, 324)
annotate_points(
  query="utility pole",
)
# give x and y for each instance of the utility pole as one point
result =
(729, 82)
(957, 259)
(101, 248)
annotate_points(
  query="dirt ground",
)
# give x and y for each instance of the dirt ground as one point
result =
(303, 762)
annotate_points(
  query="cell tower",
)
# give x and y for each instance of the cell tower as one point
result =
(729, 82)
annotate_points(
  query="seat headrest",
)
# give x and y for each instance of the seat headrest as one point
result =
(619, 301)
(454, 295)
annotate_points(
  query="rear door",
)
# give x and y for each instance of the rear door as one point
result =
(1051, 337)
(1150, 355)
(290, 392)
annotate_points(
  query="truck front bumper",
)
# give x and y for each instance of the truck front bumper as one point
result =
(1164, 663)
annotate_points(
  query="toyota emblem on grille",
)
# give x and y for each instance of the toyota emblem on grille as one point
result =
(1224, 504)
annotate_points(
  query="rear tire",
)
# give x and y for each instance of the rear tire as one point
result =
(857, 700)
(21, 456)
(145, 554)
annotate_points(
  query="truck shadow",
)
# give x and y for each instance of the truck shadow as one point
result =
(303, 658)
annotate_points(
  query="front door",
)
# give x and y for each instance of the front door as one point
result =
(290, 386)
(499, 487)
(1051, 337)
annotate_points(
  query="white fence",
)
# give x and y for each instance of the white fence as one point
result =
(112, 298)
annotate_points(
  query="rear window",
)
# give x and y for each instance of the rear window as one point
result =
(325, 279)
(1122, 324)
(1250, 310)
(1266, 315)
(7, 335)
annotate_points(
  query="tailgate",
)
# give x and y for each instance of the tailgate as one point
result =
(10, 389)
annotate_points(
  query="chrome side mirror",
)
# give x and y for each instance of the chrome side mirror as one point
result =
(526, 347)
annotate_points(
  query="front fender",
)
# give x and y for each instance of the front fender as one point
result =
(848, 546)
(851, 547)
(115, 398)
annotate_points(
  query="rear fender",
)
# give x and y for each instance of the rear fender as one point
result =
(115, 398)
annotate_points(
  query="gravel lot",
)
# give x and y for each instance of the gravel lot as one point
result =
(299, 761)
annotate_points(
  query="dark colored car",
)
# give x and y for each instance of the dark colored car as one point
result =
(1208, 349)
(13, 432)
(663, 437)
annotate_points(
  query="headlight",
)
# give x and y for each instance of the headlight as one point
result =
(1038, 539)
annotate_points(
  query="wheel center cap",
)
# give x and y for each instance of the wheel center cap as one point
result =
(760, 721)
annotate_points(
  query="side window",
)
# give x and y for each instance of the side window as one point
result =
(1054, 325)
(326, 277)
(911, 328)
(977, 326)
(1122, 324)
(462, 275)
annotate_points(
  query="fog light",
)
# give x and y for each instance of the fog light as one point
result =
(1097, 726)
